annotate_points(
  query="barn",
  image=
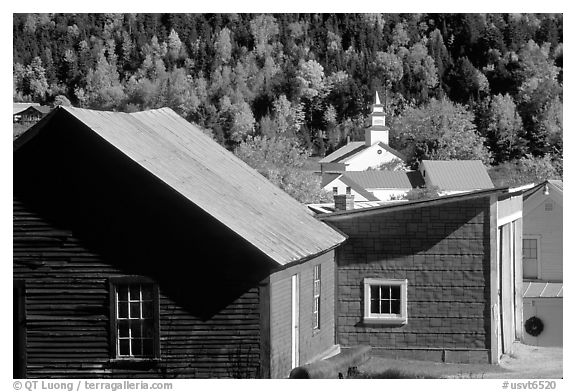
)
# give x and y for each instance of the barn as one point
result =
(144, 249)
(437, 279)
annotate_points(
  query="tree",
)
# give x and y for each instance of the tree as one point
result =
(281, 160)
(423, 193)
(526, 170)
(439, 130)
(263, 28)
(505, 130)
(223, 45)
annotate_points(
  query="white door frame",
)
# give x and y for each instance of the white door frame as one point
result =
(295, 320)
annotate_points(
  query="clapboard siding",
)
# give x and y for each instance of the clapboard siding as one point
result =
(67, 305)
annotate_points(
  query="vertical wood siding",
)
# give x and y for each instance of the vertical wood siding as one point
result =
(312, 342)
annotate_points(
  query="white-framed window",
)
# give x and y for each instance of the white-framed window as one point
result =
(385, 301)
(316, 296)
(134, 319)
(530, 256)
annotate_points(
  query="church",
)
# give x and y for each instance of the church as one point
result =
(374, 151)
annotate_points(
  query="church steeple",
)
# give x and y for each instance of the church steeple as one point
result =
(377, 132)
(377, 117)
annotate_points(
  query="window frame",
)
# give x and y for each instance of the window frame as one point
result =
(113, 282)
(384, 318)
(316, 296)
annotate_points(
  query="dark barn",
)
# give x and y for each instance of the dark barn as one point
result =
(144, 249)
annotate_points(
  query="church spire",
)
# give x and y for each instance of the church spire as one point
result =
(377, 132)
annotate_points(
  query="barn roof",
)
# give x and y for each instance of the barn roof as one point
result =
(385, 179)
(457, 175)
(214, 179)
(18, 107)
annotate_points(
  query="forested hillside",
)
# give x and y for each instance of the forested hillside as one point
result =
(455, 86)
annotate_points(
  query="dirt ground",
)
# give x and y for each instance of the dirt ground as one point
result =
(525, 362)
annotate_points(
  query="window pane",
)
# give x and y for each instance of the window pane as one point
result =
(123, 310)
(124, 347)
(395, 306)
(122, 291)
(395, 292)
(123, 329)
(148, 310)
(134, 310)
(137, 347)
(148, 330)
(135, 292)
(136, 329)
(374, 305)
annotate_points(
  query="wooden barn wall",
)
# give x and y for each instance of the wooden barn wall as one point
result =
(312, 342)
(83, 215)
(444, 253)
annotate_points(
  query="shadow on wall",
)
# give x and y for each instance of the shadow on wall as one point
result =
(455, 229)
(134, 221)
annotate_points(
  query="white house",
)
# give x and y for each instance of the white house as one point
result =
(358, 156)
(542, 263)
(374, 185)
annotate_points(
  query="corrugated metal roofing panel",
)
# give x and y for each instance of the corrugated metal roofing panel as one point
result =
(385, 179)
(458, 175)
(342, 152)
(543, 289)
(215, 180)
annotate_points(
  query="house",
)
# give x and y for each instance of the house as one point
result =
(437, 279)
(29, 113)
(141, 248)
(455, 176)
(374, 151)
(542, 259)
(376, 185)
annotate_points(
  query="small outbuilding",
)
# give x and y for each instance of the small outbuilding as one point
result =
(437, 279)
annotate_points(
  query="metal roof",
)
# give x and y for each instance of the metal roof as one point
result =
(543, 290)
(358, 188)
(457, 175)
(214, 179)
(343, 152)
(385, 179)
(21, 106)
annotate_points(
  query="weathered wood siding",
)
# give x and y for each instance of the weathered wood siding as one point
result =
(67, 323)
(444, 253)
(312, 342)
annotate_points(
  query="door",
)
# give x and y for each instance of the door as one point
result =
(19, 330)
(295, 320)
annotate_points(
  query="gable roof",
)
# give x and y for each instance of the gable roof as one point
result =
(555, 190)
(358, 188)
(353, 149)
(457, 175)
(214, 179)
(342, 152)
(385, 179)
(18, 107)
